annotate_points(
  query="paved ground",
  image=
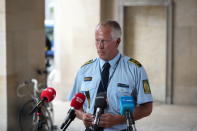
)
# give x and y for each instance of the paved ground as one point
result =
(163, 118)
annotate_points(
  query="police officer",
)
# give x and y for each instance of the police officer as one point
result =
(127, 77)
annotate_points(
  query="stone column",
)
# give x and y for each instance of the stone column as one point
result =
(22, 44)
(3, 92)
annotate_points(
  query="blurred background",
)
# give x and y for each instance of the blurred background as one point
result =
(49, 40)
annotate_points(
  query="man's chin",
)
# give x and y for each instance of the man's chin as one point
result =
(102, 57)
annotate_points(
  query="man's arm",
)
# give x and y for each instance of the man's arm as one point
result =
(109, 120)
(142, 110)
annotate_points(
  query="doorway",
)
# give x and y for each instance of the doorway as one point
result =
(144, 40)
(147, 37)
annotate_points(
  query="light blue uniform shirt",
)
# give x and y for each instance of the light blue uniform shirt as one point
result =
(127, 78)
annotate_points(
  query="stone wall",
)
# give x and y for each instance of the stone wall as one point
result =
(185, 52)
(74, 39)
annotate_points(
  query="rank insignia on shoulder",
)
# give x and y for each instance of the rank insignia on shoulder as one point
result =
(135, 62)
(146, 87)
(87, 78)
(88, 62)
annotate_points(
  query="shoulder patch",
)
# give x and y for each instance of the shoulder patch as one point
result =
(146, 87)
(131, 60)
(88, 62)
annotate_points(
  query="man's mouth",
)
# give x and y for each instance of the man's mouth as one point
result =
(100, 52)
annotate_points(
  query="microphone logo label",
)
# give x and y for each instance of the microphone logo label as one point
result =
(50, 90)
(78, 99)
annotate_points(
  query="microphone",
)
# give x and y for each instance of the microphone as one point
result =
(100, 105)
(127, 106)
(76, 103)
(47, 95)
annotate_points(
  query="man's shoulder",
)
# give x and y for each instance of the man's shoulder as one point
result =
(135, 62)
(132, 61)
(88, 63)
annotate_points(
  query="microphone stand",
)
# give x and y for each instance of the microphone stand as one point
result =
(97, 118)
(37, 107)
(130, 121)
(40, 118)
(68, 121)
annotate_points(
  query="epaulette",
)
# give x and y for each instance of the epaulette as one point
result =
(131, 60)
(88, 62)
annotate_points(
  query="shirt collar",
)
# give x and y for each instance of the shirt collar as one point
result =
(112, 62)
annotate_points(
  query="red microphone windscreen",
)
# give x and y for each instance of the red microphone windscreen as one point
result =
(48, 93)
(78, 101)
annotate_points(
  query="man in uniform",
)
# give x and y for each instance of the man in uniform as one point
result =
(126, 77)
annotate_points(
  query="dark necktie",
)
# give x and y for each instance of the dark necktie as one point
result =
(103, 84)
(104, 78)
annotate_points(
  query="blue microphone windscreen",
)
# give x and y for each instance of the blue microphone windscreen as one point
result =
(126, 103)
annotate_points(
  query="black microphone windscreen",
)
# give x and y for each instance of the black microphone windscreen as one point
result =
(101, 101)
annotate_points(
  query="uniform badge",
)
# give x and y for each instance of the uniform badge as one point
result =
(146, 87)
(135, 62)
(87, 78)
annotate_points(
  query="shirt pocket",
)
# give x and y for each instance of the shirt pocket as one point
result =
(123, 91)
(115, 95)
(88, 86)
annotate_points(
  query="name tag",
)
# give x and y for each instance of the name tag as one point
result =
(87, 78)
(122, 85)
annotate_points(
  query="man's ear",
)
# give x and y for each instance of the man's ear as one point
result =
(118, 42)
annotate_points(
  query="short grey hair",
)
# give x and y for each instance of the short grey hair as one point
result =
(116, 29)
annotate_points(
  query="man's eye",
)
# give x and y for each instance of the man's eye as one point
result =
(105, 41)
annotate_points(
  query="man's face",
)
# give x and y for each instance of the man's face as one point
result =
(105, 45)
